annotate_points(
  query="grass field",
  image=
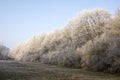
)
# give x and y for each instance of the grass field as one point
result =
(13, 70)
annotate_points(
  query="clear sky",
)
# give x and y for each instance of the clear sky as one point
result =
(22, 19)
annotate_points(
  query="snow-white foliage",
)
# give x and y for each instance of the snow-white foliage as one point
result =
(25, 49)
(89, 24)
(90, 41)
(104, 53)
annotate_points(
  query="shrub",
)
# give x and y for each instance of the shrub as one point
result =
(4, 52)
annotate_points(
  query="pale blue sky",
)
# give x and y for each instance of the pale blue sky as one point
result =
(21, 19)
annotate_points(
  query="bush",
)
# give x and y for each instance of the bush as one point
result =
(4, 52)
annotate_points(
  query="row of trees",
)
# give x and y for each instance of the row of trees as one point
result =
(90, 41)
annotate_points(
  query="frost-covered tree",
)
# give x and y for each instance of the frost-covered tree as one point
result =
(104, 53)
(89, 24)
(29, 48)
(4, 52)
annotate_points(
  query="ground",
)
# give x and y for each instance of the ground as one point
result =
(13, 70)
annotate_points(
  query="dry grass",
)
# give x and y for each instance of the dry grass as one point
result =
(11, 70)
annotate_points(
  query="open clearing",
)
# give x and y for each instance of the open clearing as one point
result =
(13, 70)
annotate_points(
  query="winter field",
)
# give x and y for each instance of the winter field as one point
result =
(13, 70)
